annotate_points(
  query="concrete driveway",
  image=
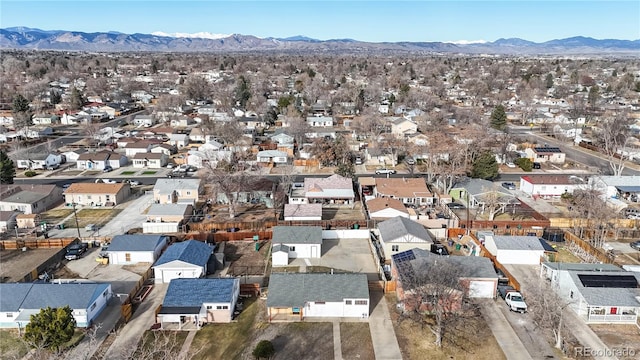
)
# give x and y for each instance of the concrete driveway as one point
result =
(352, 255)
(505, 335)
(130, 217)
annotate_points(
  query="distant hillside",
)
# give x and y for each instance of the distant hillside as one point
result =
(30, 38)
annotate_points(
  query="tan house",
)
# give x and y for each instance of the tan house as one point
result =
(96, 194)
(27, 221)
(29, 199)
(545, 154)
(168, 191)
(401, 126)
(150, 160)
(169, 212)
(410, 191)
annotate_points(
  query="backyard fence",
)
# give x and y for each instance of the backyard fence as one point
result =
(35, 243)
(126, 307)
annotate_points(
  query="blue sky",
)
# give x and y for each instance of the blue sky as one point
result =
(375, 21)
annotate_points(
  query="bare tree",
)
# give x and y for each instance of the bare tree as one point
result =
(613, 135)
(229, 178)
(547, 309)
(591, 214)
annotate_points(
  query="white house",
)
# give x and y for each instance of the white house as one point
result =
(401, 234)
(182, 260)
(271, 157)
(73, 155)
(320, 121)
(615, 186)
(550, 186)
(150, 160)
(42, 161)
(179, 140)
(301, 242)
(199, 301)
(385, 208)
(144, 120)
(517, 249)
(21, 300)
(133, 249)
(295, 296)
(545, 154)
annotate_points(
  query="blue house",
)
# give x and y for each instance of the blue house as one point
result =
(186, 259)
(198, 301)
(21, 300)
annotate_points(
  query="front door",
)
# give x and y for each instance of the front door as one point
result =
(314, 251)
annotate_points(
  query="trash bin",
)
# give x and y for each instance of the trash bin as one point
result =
(458, 246)
(356, 226)
(450, 242)
(257, 246)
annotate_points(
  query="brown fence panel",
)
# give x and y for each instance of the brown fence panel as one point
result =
(242, 225)
(587, 247)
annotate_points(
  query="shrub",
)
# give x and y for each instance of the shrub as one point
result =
(30, 173)
(524, 163)
(264, 349)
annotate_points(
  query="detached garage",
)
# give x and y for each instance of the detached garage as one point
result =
(299, 242)
(133, 249)
(524, 250)
(185, 260)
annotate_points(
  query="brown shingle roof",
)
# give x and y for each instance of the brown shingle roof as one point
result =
(94, 188)
(378, 204)
(402, 188)
(547, 179)
(99, 156)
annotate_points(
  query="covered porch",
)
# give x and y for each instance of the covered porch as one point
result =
(285, 314)
(181, 319)
(611, 315)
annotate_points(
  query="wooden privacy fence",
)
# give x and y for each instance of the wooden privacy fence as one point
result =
(126, 307)
(242, 225)
(591, 250)
(332, 224)
(484, 252)
(35, 243)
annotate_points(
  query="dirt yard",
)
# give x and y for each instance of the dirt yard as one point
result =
(56, 215)
(620, 338)
(344, 213)
(244, 213)
(98, 217)
(244, 258)
(15, 264)
(416, 341)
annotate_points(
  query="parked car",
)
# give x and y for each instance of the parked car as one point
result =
(410, 161)
(107, 169)
(455, 206)
(511, 165)
(53, 167)
(385, 171)
(358, 160)
(66, 186)
(106, 181)
(635, 245)
(132, 182)
(75, 251)
(509, 185)
(536, 165)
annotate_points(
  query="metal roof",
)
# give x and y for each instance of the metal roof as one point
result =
(581, 266)
(606, 296)
(191, 251)
(136, 242)
(191, 293)
(297, 289)
(297, 235)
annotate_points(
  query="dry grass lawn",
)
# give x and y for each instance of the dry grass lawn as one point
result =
(620, 337)
(475, 341)
(566, 256)
(11, 345)
(56, 215)
(355, 339)
(98, 217)
(158, 344)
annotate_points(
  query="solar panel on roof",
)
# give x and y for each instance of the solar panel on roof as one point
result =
(404, 256)
(548, 149)
(608, 281)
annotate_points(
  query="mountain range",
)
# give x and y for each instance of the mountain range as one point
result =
(36, 39)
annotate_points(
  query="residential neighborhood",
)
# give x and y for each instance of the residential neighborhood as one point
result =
(373, 207)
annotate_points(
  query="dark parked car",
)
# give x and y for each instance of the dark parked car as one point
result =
(75, 251)
(635, 245)
(536, 165)
(455, 206)
(509, 185)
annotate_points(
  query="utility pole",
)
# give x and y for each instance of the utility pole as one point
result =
(75, 215)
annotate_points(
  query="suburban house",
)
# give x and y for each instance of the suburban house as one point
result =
(401, 126)
(271, 157)
(517, 249)
(545, 154)
(182, 260)
(96, 194)
(150, 160)
(411, 191)
(475, 273)
(133, 249)
(304, 242)
(320, 121)
(615, 186)
(190, 303)
(164, 149)
(282, 139)
(73, 155)
(296, 296)
(140, 146)
(27, 221)
(478, 193)
(550, 186)
(100, 160)
(401, 234)
(29, 199)
(166, 218)
(598, 293)
(144, 120)
(8, 220)
(335, 189)
(40, 161)
(255, 192)
(168, 191)
(293, 212)
(178, 140)
(21, 300)
(385, 208)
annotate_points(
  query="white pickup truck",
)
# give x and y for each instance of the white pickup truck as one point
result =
(513, 298)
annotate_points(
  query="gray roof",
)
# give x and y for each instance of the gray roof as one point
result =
(136, 242)
(169, 185)
(195, 292)
(302, 210)
(476, 187)
(167, 209)
(279, 247)
(41, 295)
(271, 153)
(25, 197)
(518, 242)
(620, 180)
(600, 296)
(296, 289)
(297, 235)
(399, 226)
(581, 266)
(477, 267)
(13, 295)
(191, 251)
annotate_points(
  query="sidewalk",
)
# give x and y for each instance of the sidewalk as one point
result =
(587, 338)
(506, 337)
(385, 343)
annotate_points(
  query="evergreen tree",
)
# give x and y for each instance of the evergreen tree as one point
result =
(50, 328)
(548, 82)
(76, 100)
(7, 169)
(242, 92)
(264, 349)
(21, 112)
(499, 118)
(485, 166)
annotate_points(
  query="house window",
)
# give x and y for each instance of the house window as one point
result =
(347, 302)
(209, 307)
(104, 294)
(93, 306)
(107, 197)
(319, 302)
(362, 302)
(292, 248)
(188, 192)
(395, 247)
(127, 257)
(88, 197)
(9, 315)
(222, 307)
(295, 310)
